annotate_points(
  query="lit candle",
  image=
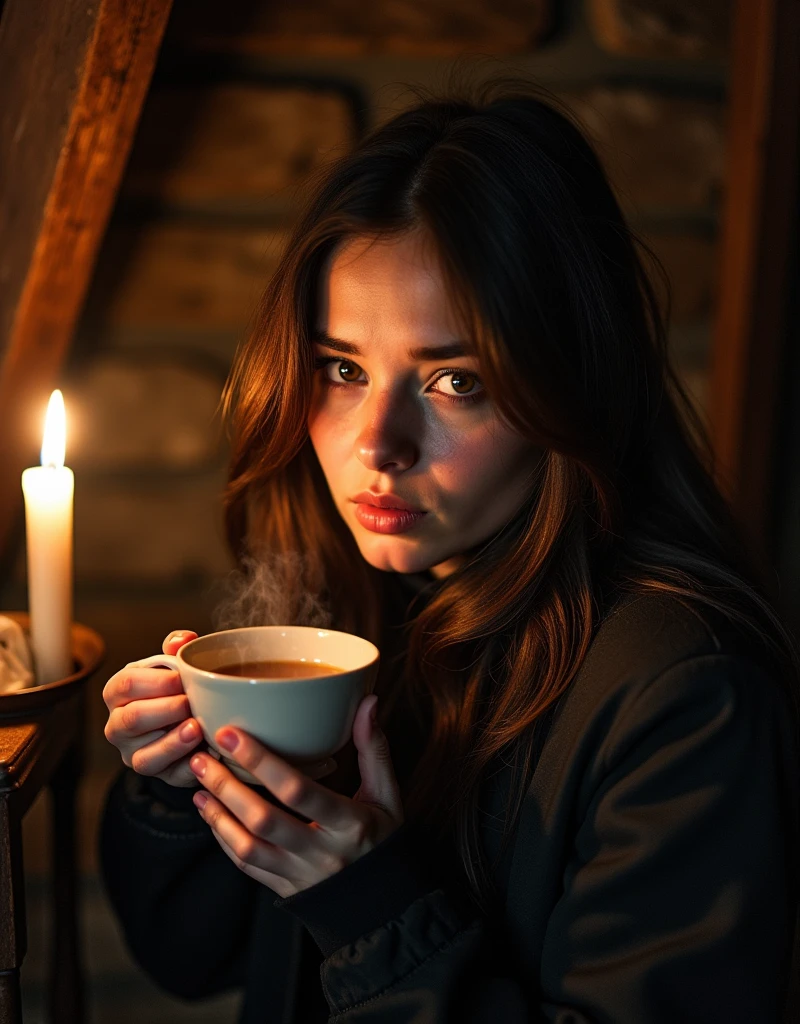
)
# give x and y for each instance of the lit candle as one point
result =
(48, 491)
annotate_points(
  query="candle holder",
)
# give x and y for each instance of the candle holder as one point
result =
(42, 730)
(87, 649)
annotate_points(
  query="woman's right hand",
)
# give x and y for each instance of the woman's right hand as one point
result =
(150, 720)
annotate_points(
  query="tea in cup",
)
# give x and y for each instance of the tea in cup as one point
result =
(295, 689)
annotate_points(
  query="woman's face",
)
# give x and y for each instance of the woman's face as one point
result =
(409, 424)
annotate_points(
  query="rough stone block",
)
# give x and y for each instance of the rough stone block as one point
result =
(189, 276)
(663, 28)
(342, 27)
(690, 263)
(158, 531)
(145, 413)
(202, 143)
(658, 150)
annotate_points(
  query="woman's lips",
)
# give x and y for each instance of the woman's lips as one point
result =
(386, 520)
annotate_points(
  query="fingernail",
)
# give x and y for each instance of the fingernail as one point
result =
(200, 800)
(228, 739)
(198, 766)
(373, 714)
(188, 732)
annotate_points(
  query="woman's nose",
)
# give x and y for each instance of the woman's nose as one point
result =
(387, 436)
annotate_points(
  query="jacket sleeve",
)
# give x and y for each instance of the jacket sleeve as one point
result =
(172, 886)
(678, 890)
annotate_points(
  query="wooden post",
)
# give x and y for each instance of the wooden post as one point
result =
(750, 330)
(73, 77)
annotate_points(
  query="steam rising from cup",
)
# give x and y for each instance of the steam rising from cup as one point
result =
(271, 589)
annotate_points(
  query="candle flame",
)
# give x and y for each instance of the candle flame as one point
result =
(55, 432)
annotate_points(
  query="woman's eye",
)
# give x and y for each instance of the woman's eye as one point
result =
(464, 385)
(337, 370)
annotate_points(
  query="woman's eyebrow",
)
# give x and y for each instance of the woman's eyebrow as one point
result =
(424, 353)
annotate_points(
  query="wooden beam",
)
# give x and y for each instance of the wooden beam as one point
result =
(755, 251)
(73, 77)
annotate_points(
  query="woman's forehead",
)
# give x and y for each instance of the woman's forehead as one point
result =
(372, 284)
(385, 256)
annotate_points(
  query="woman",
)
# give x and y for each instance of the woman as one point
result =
(579, 802)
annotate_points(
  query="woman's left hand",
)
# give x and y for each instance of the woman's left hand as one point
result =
(277, 849)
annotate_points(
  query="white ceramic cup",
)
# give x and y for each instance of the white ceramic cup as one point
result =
(303, 720)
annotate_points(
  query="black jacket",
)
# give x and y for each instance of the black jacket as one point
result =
(653, 878)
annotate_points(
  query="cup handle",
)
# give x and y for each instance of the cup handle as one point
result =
(158, 661)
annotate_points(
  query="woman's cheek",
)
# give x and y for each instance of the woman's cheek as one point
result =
(323, 417)
(332, 441)
(481, 465)
(461, 463)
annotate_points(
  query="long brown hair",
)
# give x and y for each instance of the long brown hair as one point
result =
(570, 334)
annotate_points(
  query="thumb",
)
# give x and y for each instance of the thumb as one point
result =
(176, 639)
(378, 782)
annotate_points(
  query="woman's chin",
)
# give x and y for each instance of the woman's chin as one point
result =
(390, 555)
(383, 557)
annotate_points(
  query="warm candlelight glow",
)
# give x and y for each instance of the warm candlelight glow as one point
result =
(54, 443)
(48, 491)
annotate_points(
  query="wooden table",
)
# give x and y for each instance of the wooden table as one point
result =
(42, 744)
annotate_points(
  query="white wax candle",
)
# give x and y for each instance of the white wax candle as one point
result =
(48, 491)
